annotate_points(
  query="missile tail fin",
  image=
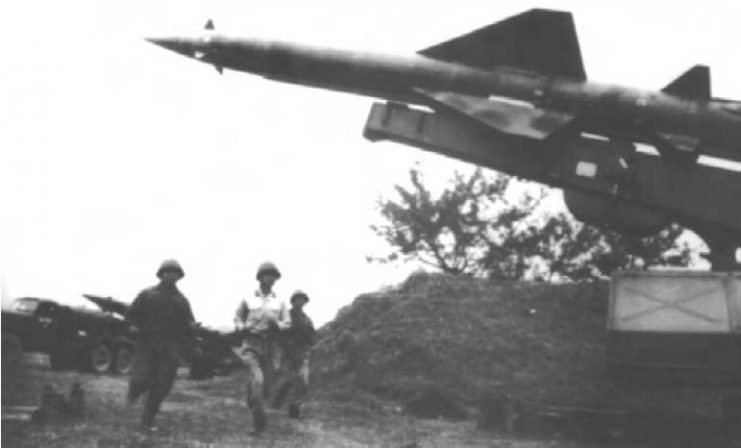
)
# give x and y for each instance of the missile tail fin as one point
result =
(694, 83)
(537, 40)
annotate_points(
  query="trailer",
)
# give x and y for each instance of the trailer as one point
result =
(73, 338)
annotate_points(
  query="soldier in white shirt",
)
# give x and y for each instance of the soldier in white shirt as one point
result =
(260, 318)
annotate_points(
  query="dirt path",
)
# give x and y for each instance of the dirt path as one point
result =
(212, 414)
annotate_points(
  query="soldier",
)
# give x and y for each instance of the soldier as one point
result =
(297, 341)
(259, 319)
(164, 321)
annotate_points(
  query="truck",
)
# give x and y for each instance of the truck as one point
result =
(88, 340)
(101, 340)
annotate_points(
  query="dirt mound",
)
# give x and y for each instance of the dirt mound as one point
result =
(540, 343)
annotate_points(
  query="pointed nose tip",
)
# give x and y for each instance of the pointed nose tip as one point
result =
(178, 45)
(170, 43)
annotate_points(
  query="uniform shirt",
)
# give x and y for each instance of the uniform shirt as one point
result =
(163, 313)
(301, 333)
(258, 313)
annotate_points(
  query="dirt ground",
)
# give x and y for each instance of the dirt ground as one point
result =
(212, 413)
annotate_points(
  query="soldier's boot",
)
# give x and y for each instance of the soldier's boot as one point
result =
(259, 421)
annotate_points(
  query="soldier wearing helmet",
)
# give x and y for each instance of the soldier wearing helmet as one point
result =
(164, 321)
(259, 319)
(296, 342)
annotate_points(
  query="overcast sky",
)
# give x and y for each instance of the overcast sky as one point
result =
(116, 154)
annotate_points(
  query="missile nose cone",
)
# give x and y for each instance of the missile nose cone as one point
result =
(187, 46)
(172, 43)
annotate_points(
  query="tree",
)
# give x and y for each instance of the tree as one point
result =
(474, 228)
(458, 231)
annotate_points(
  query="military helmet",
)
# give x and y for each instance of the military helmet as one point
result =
(268, 267)
(299, 294)
(170, 266)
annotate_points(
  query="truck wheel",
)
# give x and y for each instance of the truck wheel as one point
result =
(124, 360)
(12, 351)
(101, 359)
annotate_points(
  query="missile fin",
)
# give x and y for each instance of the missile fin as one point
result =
(694, 83)
(508, 117)
(538, 40)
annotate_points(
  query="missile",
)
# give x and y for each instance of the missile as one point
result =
(108, 304)
(522, 76)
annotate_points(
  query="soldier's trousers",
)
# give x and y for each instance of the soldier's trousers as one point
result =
(262, 360)
(295, 384)
(155, 366)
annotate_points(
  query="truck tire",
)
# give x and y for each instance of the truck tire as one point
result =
(12, 351)
(100, 358)
(124, 359)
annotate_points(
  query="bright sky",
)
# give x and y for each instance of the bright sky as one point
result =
(116, 154)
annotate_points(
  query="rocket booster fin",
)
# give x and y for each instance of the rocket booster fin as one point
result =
(506, 116)
(538, 40)
(694, 83)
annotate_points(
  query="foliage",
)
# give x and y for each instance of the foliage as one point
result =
(459, 230)
(474, 228)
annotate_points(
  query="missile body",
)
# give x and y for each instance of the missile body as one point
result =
(687, 121)
(377, 75)
(514, 96)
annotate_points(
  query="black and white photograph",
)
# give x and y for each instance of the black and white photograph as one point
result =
(400, 224)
